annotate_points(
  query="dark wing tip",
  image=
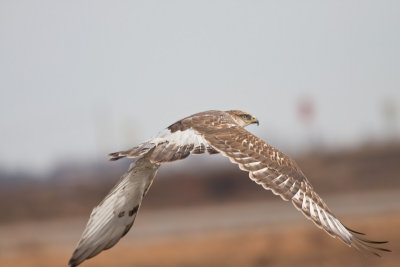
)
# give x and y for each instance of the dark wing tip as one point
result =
(368, 245)
(115, 156)
(385, 249)
(376, 254)
(353, 231)
(371, 241)
(71, 263)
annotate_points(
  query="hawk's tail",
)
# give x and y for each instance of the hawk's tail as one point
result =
(133, 152)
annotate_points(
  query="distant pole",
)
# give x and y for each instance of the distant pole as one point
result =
(306, 116)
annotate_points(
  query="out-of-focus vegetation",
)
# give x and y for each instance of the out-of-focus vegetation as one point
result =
(74, 191)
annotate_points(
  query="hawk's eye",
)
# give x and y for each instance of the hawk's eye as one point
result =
(245, 117)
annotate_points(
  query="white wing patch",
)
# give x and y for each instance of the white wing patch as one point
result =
(180, 138)
(169, 146)
(178, 145)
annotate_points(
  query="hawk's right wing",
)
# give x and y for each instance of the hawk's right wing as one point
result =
(115, 215)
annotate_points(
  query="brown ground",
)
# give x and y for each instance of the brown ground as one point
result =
(296, 246)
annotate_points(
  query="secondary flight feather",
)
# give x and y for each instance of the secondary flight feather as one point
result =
(208, 132)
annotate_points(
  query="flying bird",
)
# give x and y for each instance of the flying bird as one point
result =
(212, 132)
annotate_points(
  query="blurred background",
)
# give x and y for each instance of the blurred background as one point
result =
(80, 79)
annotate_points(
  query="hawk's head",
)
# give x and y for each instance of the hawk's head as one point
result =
(242, 118)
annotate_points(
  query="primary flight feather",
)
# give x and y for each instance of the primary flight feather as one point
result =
(213, 132)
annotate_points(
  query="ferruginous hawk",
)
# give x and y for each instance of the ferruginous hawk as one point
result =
(213, 132)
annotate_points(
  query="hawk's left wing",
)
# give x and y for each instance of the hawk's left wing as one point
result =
(115, 215)
(275, 171)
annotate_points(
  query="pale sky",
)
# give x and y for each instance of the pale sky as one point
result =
(79, 79)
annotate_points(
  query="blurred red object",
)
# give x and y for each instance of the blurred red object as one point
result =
(305, 110)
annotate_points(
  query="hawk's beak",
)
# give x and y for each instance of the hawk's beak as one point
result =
(255, 121)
